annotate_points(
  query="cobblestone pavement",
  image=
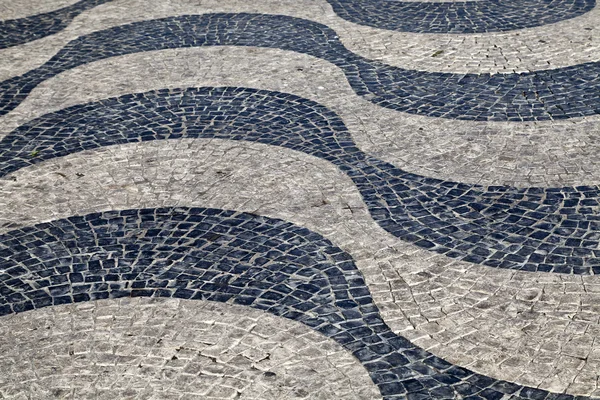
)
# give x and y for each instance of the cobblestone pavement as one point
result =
(310, 199)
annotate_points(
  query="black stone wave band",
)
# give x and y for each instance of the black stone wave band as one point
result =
(14, 32)
(459, 17)
(240, 258)
(530, 229)
(540, 95)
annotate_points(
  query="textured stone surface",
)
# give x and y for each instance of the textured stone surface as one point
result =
(26, 8)
(136, 349)
(463, 17)
(228, 256)
(296, 139)
(14, 32)
(422, 17)
(550, 153)
(561, 93)
(441, 305)
(530, 229)
(560, 44)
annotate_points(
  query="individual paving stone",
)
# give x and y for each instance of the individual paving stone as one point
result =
(459, 17)
(490, 153)
(553, 94)
(482, 316)
(531, 229)
(172, 348)
(226, 256)
(14, 32)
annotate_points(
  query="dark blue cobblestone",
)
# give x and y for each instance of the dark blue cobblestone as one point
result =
(170, 252)
(530, 229)
(540, 95)
(459, 17)
(426, 17)
(14, 32)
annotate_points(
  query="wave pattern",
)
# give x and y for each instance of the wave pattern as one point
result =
(459, 17)
(532, 229)
(14, 32)
(217, 338)
(412, 16)
(287, 270)
(225, 256)
(550, 94)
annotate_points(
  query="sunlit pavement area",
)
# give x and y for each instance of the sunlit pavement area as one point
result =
(309, 199)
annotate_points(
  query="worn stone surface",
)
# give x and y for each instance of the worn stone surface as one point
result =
(14, 32)
(561, 93)
(443, 306)
(529, 229)
(564, 43)
(229, 257)
(136, 349)
(464, 17)
(27, 8)
(549, 153)
(296, 137)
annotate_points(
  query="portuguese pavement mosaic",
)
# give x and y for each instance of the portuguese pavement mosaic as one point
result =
(318, 199)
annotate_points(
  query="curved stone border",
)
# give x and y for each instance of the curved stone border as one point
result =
(532, 229)
(26, 8)
(543, 95)
(470, 315)
(562, 44)
(548, 154)
(14, 32)
(225, 256)
(419, 17)
(169, 348)
(459, 17)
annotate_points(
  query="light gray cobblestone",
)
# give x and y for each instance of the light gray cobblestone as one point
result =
(535, 329)
(570, 42)
(171, 349)
(546, 153)
(530, 328)
(10, 9)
